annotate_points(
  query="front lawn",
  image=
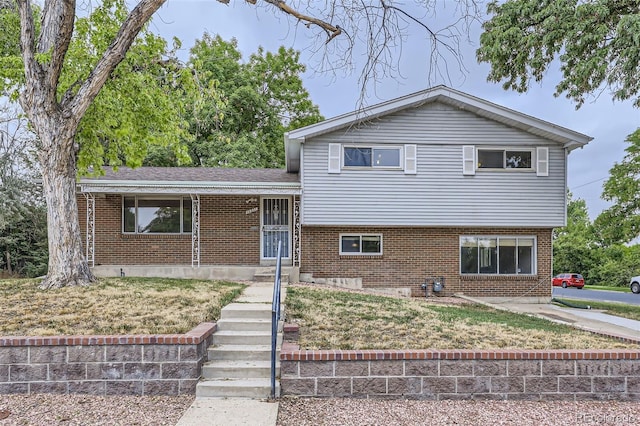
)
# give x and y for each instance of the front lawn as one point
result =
(337, 319)
(112, 306)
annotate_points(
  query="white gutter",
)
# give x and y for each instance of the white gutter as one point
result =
(186, 187)
(185, 184)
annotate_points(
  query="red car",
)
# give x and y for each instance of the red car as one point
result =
(568, 280)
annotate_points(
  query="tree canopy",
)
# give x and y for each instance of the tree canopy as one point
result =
(621, 221)
(262, 98)
(573, 245)
(595, 42)
(582, 247)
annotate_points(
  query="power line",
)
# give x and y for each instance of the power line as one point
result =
(589, 183)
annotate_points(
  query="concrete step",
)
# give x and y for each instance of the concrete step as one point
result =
(238, 388)
(251, 311)
(239, 324)
(241, 352)
(234, 337)
(267, 277)
(226, 369)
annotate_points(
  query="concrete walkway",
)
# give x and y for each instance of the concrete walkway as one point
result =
(585, 319)
(230, 412)
(236, 411)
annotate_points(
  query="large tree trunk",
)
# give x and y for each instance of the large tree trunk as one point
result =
(67, 262)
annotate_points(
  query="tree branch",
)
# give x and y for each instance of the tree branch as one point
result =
(58, 18)
(76, 106)
(331, 30)
(27, 43)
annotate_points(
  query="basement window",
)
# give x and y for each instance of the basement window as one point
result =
(360, 244)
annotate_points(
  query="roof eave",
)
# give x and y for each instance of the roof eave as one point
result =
(465, 101)
(172, 187)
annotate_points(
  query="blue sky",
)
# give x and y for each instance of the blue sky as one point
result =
(606, 121)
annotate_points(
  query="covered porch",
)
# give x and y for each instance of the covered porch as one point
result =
(190, 222)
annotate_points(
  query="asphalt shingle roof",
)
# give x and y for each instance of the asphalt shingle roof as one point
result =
(198, 174)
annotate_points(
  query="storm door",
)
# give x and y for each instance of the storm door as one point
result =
(276, 225)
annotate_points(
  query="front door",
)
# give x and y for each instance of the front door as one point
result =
(276, 226)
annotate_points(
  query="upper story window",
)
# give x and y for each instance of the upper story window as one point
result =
(528, 159)
(505, 159)
(403, 157)
(152, 215)
(372, 156)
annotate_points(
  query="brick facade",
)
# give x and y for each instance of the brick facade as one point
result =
(229, 235)
(412, 254)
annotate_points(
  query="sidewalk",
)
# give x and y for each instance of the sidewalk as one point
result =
(585, 319)
(230, 412)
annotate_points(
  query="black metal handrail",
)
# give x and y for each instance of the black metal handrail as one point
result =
(275, 319)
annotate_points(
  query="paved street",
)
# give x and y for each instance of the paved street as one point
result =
(604, 296)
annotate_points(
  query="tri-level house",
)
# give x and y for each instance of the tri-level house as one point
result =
(437, 190)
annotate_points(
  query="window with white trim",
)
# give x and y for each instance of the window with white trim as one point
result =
(498, 255)
(493, 158)
(156, 215)
(367, 157)
(360, 244)
(359, 156)
(489, 158)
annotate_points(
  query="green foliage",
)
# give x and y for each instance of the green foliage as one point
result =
(574, 246)
(616, 264)
(621, 221)
(260, 100)
(141, 107)
(579, 247)
(596, 42)
(23, 221)
(11, 68)
(23, 239)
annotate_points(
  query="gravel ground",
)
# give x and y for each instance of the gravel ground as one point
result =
(346, 412)
(76, 410)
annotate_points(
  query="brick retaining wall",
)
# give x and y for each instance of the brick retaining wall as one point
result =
(105, 365)
(454, 374)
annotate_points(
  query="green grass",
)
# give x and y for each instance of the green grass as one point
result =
(338, 319)
(623, 310)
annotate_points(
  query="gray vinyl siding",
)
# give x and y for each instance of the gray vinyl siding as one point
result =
(439, 194)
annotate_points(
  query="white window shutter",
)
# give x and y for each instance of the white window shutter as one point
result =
(410, 159)
(542, 160)
(468, 160)
(335, 152)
